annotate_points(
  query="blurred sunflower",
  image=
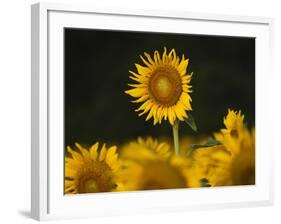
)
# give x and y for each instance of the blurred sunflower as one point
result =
(232, 162)
(233, 123)
(240, 142)
(90, 170)
(243, 165)
(149, 165)
(236, 136)
(142, 149)
(212, 164)
(163, 87)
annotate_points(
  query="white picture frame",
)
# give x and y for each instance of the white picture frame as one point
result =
(48, 201)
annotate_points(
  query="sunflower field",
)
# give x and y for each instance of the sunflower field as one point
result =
(159, 93)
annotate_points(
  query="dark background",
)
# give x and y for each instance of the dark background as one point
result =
(96, 75)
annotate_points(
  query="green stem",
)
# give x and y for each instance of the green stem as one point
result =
(176, 137)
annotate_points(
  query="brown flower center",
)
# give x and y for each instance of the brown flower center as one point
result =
(95, 176)
(165, 85)
(234, 133)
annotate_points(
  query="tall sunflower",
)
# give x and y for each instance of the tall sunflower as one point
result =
(90, 170)
(163, 88)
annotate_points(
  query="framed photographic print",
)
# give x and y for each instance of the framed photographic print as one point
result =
(139, 111)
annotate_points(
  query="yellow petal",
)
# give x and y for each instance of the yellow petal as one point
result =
(137, 92)
(181, 109)
(141, 99)
(75, 155)
(159, 114)
(111, 151)
(146, 109)
(84, 151)
(102, 153)
(183, 66)
(185, 100)
(171, 116)
(178, 113)
(71, 163)
(172, 55)
(165, 113)
(157, 58)
(145, 106)
(145, 62)
(149, 58)
(93, 151)
(164, 56)
(152, 111)
(177, 61)
(186, 88)
(70, 172)
(139, 85)
(113, 161)
(136, 75)
(143, 70)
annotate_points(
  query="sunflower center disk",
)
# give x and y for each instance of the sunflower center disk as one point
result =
(96, 177)
(165, 86)
(91, 186)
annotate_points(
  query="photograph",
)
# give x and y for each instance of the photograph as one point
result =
(157, 111)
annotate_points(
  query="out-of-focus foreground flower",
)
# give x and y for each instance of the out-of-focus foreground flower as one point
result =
(232, 162)
(90, 170)
(149, 164)
(240, 142)
(155, 167)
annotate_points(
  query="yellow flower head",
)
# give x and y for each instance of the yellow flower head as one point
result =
(89, 171)
(234, 132)
(239, 141)
(163, 87)
(233, 123)
(233, 162)
(149, 165)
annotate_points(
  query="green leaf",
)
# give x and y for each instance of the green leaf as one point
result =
(191, 122)
(211, 142)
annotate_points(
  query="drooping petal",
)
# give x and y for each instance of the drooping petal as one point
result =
(141, 99)
(171, 116)
(145, 62)
(149, 58)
